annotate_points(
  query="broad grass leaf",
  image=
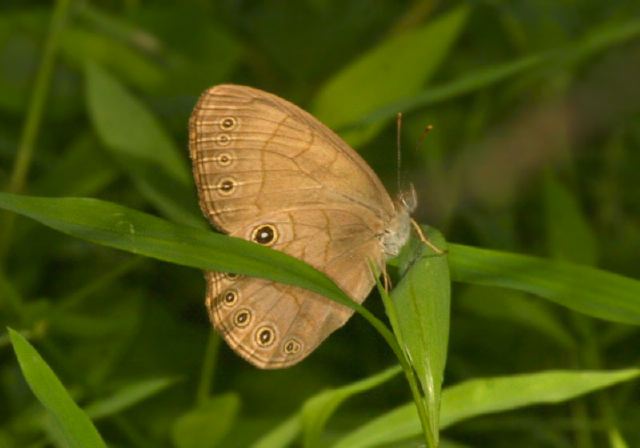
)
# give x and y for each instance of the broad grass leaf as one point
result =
(484, 396)
(128, 396)
(591, 291)
(141, 146)
(318, 409)
(422, 307)
(395, 69)
(206, 425)
(116, 226)
(70, 421)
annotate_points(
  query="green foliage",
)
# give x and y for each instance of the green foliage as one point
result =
(206, 425)
(484, 396)
(381, 75)
(532, 165)
(422, 326)
(76, 429)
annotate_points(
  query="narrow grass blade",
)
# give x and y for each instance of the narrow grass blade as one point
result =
(72, 423)
(139, 233)
(319, 408)
(585, 289)
(595, 41)
(483, 396)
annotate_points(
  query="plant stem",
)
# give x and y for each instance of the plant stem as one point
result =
(208, 367)
(32, 122)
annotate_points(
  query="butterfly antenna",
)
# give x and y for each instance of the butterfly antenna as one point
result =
(423, 136)
(399, 149)
(414, 223)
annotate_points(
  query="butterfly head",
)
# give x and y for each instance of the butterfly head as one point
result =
(407, 200)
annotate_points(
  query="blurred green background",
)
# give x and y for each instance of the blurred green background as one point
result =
(535, 149)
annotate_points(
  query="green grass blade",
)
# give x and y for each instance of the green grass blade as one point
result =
(282, 436)
(319, 408)
(595, 41)
(397, 68)
(206, 425)
(141, 146)
(72, 423)
(466, 84)
(588, 290)
(139, 233)
(128, 396)
(116, 226)
(422, 306)
(483, 396)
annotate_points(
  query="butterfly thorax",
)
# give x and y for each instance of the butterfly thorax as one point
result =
(397, 231)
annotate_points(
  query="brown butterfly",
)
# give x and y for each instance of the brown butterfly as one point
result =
(269, 172)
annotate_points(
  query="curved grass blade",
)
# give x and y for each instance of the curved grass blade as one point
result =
(116, 226)
(591, 291)
(319, 408)
(594, 41)
(71, 421)
(139, 233)
(483, 396)
(382, 75)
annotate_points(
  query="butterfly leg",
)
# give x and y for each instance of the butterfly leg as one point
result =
(424, 239)
(386, 280)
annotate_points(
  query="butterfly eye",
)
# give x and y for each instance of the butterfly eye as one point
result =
(265, 234)
(226, 186)
(228, 123)
(231, 276)
(292, 346)
(265, 336)
(224, 159)
(242, 318)
(223, 139)
(230, 297)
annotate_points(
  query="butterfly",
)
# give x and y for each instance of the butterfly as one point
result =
(269, 172)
